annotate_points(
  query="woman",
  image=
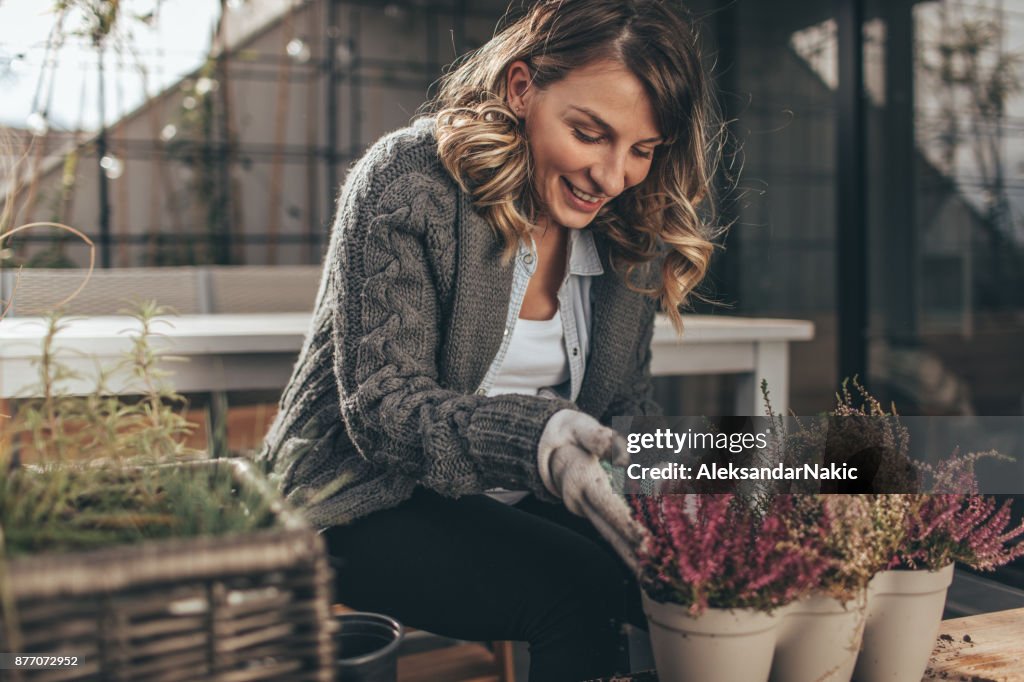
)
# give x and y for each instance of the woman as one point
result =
(487, 304)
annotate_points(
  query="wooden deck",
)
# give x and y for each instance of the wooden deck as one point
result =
(460, 663)
(988, 647)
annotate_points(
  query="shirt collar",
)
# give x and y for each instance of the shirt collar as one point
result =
(583, 256)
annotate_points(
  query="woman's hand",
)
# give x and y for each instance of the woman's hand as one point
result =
(569, 457)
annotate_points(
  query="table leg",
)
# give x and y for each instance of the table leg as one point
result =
(771, 364)
(218, 411)
(217, 424)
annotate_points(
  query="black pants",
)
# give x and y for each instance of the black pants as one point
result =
(476, 569)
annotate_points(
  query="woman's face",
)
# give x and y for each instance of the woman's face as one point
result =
(592, 135)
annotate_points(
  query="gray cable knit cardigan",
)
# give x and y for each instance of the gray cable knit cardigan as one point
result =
(409, 314)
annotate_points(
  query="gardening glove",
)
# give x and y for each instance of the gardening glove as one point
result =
(569, 457)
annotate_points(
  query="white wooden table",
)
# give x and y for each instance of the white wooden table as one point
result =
(756, 348)
(229, 352)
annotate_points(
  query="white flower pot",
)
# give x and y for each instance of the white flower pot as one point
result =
(720, 645)
(818, 640)
(904, 613)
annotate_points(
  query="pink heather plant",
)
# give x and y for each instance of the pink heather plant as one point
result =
(716, 551)
(911, 530)
(955, 523)
(971, 529)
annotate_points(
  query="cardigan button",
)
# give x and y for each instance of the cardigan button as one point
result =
(528, 259)
(575, 351)
(481, 391)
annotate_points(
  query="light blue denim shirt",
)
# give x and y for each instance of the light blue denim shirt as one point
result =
(574, 308)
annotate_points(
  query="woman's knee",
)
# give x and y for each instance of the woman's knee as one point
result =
(578, 636)
(584, 591)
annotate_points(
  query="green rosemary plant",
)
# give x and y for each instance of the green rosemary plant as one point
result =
(100, 469)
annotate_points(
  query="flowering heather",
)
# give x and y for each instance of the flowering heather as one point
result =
(717, 551)
(955, 474)
(972, 529)
(858, 431)
(888, 530)
(955, 523)
(865, 532)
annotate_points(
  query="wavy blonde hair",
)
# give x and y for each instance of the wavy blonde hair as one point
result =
(482, 144)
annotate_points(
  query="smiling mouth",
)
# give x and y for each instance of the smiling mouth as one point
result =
(580, 194)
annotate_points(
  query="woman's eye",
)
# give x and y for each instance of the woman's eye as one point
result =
(643, 154)
(583, 137)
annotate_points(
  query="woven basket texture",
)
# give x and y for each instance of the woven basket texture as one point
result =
(240, 608)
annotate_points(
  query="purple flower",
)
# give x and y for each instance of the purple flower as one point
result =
(973, 529)
(719, 551)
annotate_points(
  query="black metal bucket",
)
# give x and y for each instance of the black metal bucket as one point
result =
(367, 647)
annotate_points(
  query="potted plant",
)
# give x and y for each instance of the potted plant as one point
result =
(821, 634)
(783, 583)
(905, 601)
(923, 518)
(124, 552)
(716, 574)
(911, 538)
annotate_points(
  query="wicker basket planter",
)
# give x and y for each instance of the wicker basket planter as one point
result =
(237, 608)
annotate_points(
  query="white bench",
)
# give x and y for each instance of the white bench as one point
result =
(242, 327)
(257, 351)
(187, 289)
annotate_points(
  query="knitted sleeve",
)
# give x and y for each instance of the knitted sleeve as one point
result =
(635, 396)
(387, 328)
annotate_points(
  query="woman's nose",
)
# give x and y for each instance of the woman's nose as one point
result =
(610, 174)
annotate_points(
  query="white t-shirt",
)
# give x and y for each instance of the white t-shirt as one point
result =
(536, 358)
